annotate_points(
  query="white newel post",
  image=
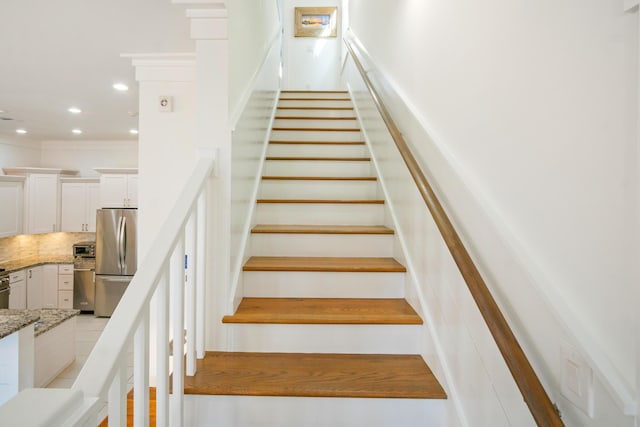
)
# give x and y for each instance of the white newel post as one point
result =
(209, 30)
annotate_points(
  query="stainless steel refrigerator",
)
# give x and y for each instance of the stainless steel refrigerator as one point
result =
(116, 259)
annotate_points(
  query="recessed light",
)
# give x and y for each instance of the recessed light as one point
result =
(21, 131)
(74, 110)
(121, 87)
(77, 131)
(133, 131)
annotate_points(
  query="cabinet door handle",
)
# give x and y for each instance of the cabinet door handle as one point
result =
(30, 276)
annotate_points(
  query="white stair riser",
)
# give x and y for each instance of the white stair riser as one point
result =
(317, 168)
(315, 113)
(310, 123)
(303, 284)
(269, 411)
(314, 103)
(318, 150)
(369, 339)
(303, 189)
(322, 245)
(319, 214)
(288, 135)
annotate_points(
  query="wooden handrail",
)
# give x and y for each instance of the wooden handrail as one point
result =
(544, 412)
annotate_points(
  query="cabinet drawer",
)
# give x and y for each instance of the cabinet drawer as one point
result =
(65, 282)
(17, 276)
(65, 299)
(65, 268)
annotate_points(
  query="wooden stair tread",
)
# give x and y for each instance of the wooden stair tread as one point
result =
(335, 264)
(299, 98)
(313, 118)
(314, 375)
(314, 91)
(318, 158)
(313, 108)
(316, 129)
(319, 178)
(325, 311)
(323, 201)
(152, 409)
(318, 142)
(321, 229)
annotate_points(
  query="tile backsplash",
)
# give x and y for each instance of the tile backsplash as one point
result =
(28, 245)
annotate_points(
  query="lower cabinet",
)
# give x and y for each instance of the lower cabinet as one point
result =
(50, 286)
(65, 286)
(54, 351)
(34, 288)
(18, 295)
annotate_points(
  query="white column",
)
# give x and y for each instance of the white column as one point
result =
(209, 30)
(167, 153)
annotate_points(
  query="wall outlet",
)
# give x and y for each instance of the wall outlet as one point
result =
(576, 379)
(165, 104)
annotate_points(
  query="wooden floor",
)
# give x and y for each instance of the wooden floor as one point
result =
(314, 375)
(337, 311)
(152, 409)
(342, 264)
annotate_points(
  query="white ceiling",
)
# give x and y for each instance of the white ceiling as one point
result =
(55, 54)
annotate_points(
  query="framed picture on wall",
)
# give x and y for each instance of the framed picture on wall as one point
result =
(316, 22)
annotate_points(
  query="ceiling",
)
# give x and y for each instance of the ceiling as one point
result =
(66, 53)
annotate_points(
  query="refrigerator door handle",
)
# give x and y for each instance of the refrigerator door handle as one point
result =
(119, 244)
(123, 244)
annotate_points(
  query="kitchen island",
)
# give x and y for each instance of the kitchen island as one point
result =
(35, 346)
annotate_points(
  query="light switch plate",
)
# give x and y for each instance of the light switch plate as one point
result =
(576, 379)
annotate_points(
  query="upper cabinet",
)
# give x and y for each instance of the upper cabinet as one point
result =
(118, 187)
(41, 191)
(79, 199)
(12, 212)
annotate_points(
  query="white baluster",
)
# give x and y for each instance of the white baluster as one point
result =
(177, 318)
(200, 271)
(141, 372)
(117, 406)
(162, 349)
(190, 293)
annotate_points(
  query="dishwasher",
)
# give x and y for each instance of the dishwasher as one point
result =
(84, 275)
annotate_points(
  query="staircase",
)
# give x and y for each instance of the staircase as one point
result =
(323, 313)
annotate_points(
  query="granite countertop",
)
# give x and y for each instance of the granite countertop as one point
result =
(12, 320)
(34, 261)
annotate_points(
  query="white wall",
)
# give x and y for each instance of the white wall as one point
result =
(84, 156)
(310, 63)
(17, 152)
(525, 115)
(252, 26)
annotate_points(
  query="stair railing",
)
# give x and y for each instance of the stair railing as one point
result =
(168, 285)
(544, 412)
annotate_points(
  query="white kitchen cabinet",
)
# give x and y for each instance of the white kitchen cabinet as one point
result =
(41, 197)
(65, 286)
(118, 188)
(12, 212)
(80, 198)
(18, 295)
(34, 288)
(50, 286)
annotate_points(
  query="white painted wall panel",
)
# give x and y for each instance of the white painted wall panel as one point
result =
(86, 155)
(531, 139)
